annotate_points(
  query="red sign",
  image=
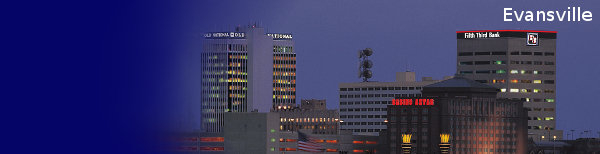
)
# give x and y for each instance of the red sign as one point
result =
(415, 102)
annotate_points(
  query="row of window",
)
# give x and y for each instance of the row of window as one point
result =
(500, 62)
(533, 100)
(414, 111)
(539, 109)
(362, 109)
(532, 62)
(366, 102)
(366, 130)
(380, 88)
(379, 95)
(362, 123)
(513, 90)
(504, 53)
(517, 81)
(283, 49)
(403, 119)
(541, 118)
(504, 72)
(540, 127)
(308, 119)
(362, 116)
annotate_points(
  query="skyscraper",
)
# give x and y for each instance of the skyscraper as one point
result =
(244, 71)
(522, 64)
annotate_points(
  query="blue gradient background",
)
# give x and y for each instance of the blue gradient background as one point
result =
(104, 76)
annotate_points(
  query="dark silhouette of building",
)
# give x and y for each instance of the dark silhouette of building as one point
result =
(460, 113)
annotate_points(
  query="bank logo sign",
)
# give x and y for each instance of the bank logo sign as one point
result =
(532, 39)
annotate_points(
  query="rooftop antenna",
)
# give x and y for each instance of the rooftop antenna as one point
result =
(365, 64)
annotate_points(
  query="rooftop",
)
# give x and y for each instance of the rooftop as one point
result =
(460, 82)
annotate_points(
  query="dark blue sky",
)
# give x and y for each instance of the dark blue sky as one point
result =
(420, 34)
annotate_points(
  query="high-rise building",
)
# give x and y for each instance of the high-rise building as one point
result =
(522, 64)
(363, 105)
(458, 115)
(284, 71)
(244, 71)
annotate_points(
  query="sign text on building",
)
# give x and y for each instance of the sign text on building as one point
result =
(482, 35)
(413, 102)
(225, 35)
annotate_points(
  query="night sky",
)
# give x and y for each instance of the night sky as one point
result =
(416, 35)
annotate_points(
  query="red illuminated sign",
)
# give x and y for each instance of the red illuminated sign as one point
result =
(415, 102)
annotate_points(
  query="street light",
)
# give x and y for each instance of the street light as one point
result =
(572, 134)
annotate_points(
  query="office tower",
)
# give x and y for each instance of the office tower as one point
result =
(241, 72)
(522, 64)
(458, 115)
(363, 105)
(284, 72)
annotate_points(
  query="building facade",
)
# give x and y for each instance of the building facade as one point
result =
(363, 105)
(457, 116)
(310, 115)
(243, 71)
(522, 64)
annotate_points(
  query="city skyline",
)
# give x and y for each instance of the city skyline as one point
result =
(398, 46)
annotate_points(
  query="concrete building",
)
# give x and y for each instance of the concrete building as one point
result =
(522, 64)
(251, 132)
(363, 105)
(310, 115)
(579, 146)
(342, 143)
(457, 115)
(243, 71)
(255, 132)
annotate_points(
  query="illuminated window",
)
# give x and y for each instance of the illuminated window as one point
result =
(290, 149)
(536, 90)
(211, 148)
(514, 81)
(500, 71)
(514, 71)
(550, 100)
(514, 90)
(212, 139)
(290, 140)
(358, 151)
(331, 141)
(549, 118)
(358, 142)
(537, 81)
(499, 62)
(503, 90)
(331, 150)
